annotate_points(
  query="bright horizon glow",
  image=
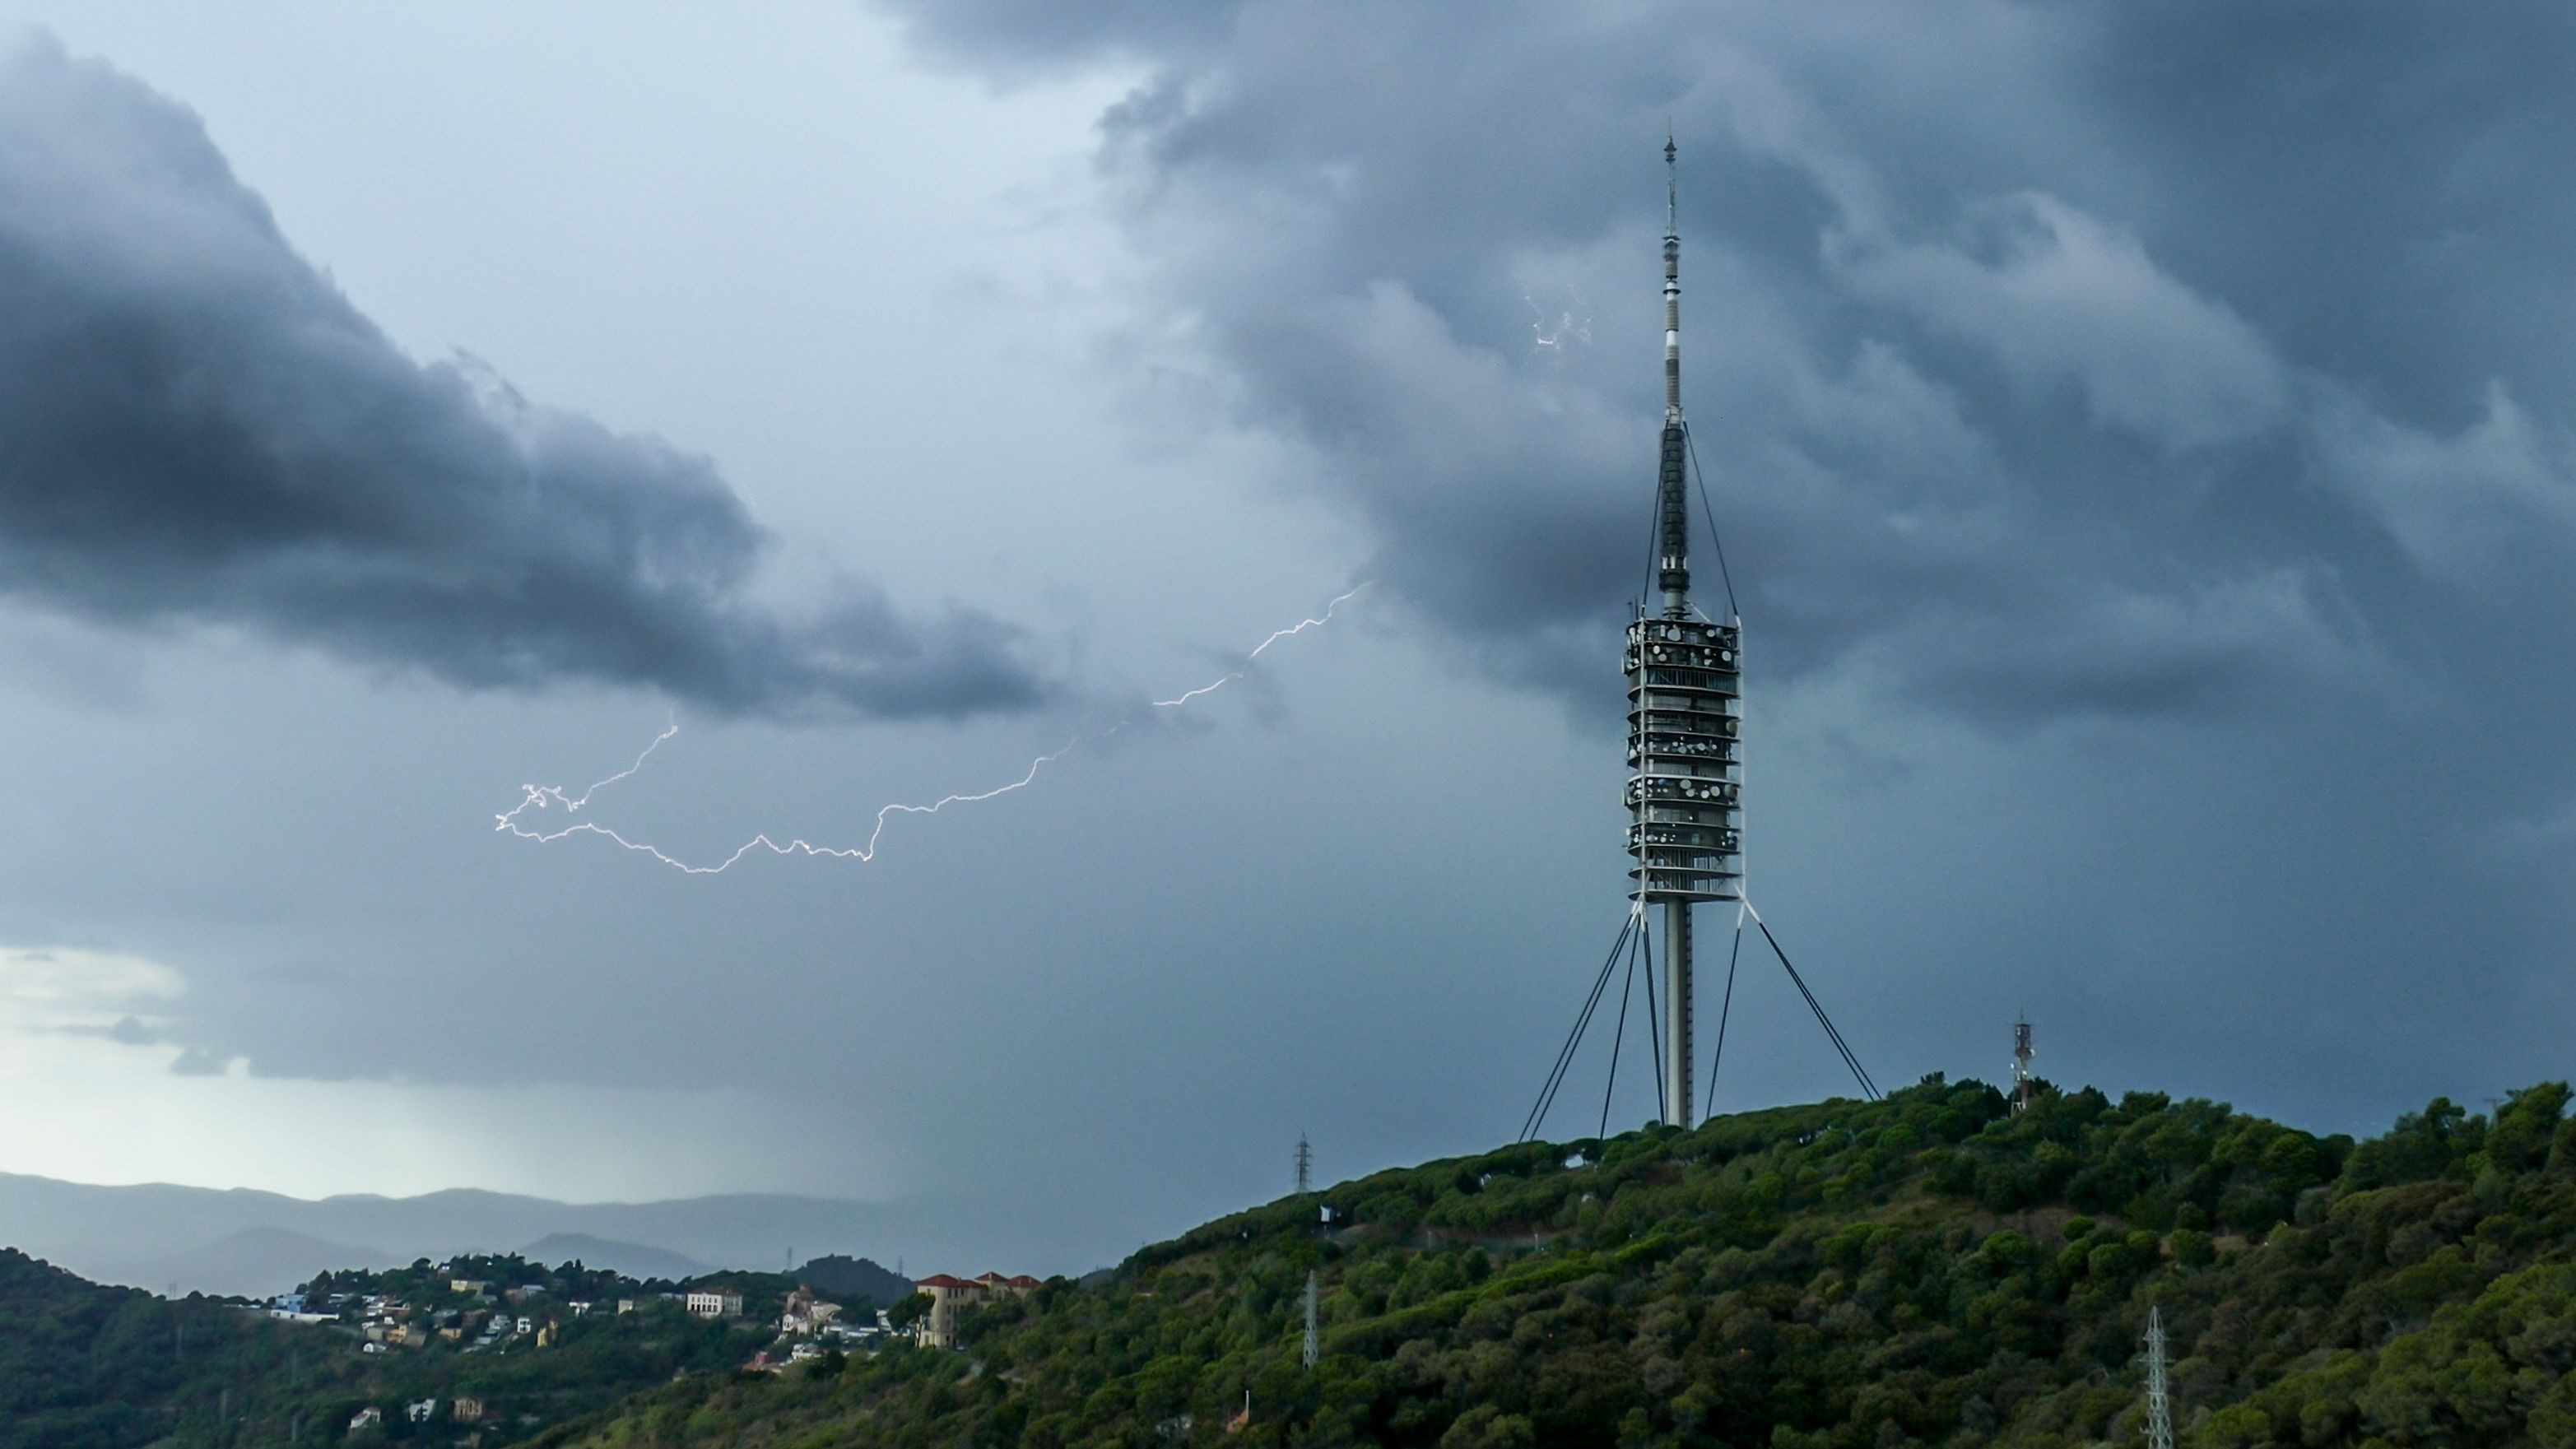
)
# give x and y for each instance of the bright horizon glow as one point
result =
(91, 1018)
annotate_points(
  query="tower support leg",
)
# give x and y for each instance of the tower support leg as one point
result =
(1678, 1049)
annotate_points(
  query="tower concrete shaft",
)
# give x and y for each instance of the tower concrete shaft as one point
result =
(1679, 1049)
(1684, 827)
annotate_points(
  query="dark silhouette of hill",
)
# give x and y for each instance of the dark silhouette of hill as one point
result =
(854, 1280)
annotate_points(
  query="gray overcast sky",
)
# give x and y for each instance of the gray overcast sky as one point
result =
(2139, 434)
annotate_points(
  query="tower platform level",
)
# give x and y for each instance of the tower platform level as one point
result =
(1685, 829)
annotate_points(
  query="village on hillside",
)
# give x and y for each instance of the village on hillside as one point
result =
(506, 1307)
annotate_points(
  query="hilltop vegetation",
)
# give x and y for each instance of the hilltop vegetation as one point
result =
(1928, 1270)
(83, 1366)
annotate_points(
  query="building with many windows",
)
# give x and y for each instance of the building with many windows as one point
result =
(715, 1302)
(949, 1296)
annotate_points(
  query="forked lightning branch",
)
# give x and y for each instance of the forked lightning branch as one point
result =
(528, 821)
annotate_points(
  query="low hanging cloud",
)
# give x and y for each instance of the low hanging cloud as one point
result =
(197, 427)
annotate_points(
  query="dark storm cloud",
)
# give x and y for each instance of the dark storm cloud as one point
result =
(2008, 336)
(2186, 383)
(196, 426)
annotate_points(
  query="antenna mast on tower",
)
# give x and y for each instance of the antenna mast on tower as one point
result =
(2022, 1091)
(1683, 671)
(1305, 1161)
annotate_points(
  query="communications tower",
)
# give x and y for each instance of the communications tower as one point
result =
(1685, 829)
(2023, 1090)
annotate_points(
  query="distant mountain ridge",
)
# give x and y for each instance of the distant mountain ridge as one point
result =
(157, 1235)
(635, 1260)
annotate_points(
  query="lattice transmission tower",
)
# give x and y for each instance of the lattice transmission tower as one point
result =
(2159, 1408)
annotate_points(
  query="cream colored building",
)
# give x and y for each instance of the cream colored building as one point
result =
(949, 1296)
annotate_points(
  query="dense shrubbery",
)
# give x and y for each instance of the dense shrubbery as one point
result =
(1927, 1270)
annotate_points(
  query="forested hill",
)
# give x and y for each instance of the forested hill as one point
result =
(1926, 1270)
(84, 1366)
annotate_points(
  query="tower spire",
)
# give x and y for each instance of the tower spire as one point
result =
(1672, 495)
(1672, 283)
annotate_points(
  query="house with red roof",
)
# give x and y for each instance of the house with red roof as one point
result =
(951, 1295)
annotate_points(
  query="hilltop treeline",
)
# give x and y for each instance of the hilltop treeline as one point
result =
(1926, 1270)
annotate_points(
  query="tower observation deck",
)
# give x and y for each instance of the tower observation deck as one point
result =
(1685, 828)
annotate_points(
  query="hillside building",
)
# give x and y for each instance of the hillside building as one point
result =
(949, 1296)
(715, 1302)
(806, 1315)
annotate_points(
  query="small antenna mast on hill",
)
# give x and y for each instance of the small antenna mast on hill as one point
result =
(2022, 1090)
(1305, 1162)
(2159, 1410)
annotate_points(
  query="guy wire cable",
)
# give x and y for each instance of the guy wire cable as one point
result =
(1654, 1028)
(1849, 1060)
(1724, 1007)
(1616, 1036)
(1711, 515)
(1574, 1038)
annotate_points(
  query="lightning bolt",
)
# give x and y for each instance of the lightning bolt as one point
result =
(551, 797)
(540, 796)
(1553, 339)
(1293, 630)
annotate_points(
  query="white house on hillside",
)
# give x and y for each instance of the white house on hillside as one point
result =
(715, 1302)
